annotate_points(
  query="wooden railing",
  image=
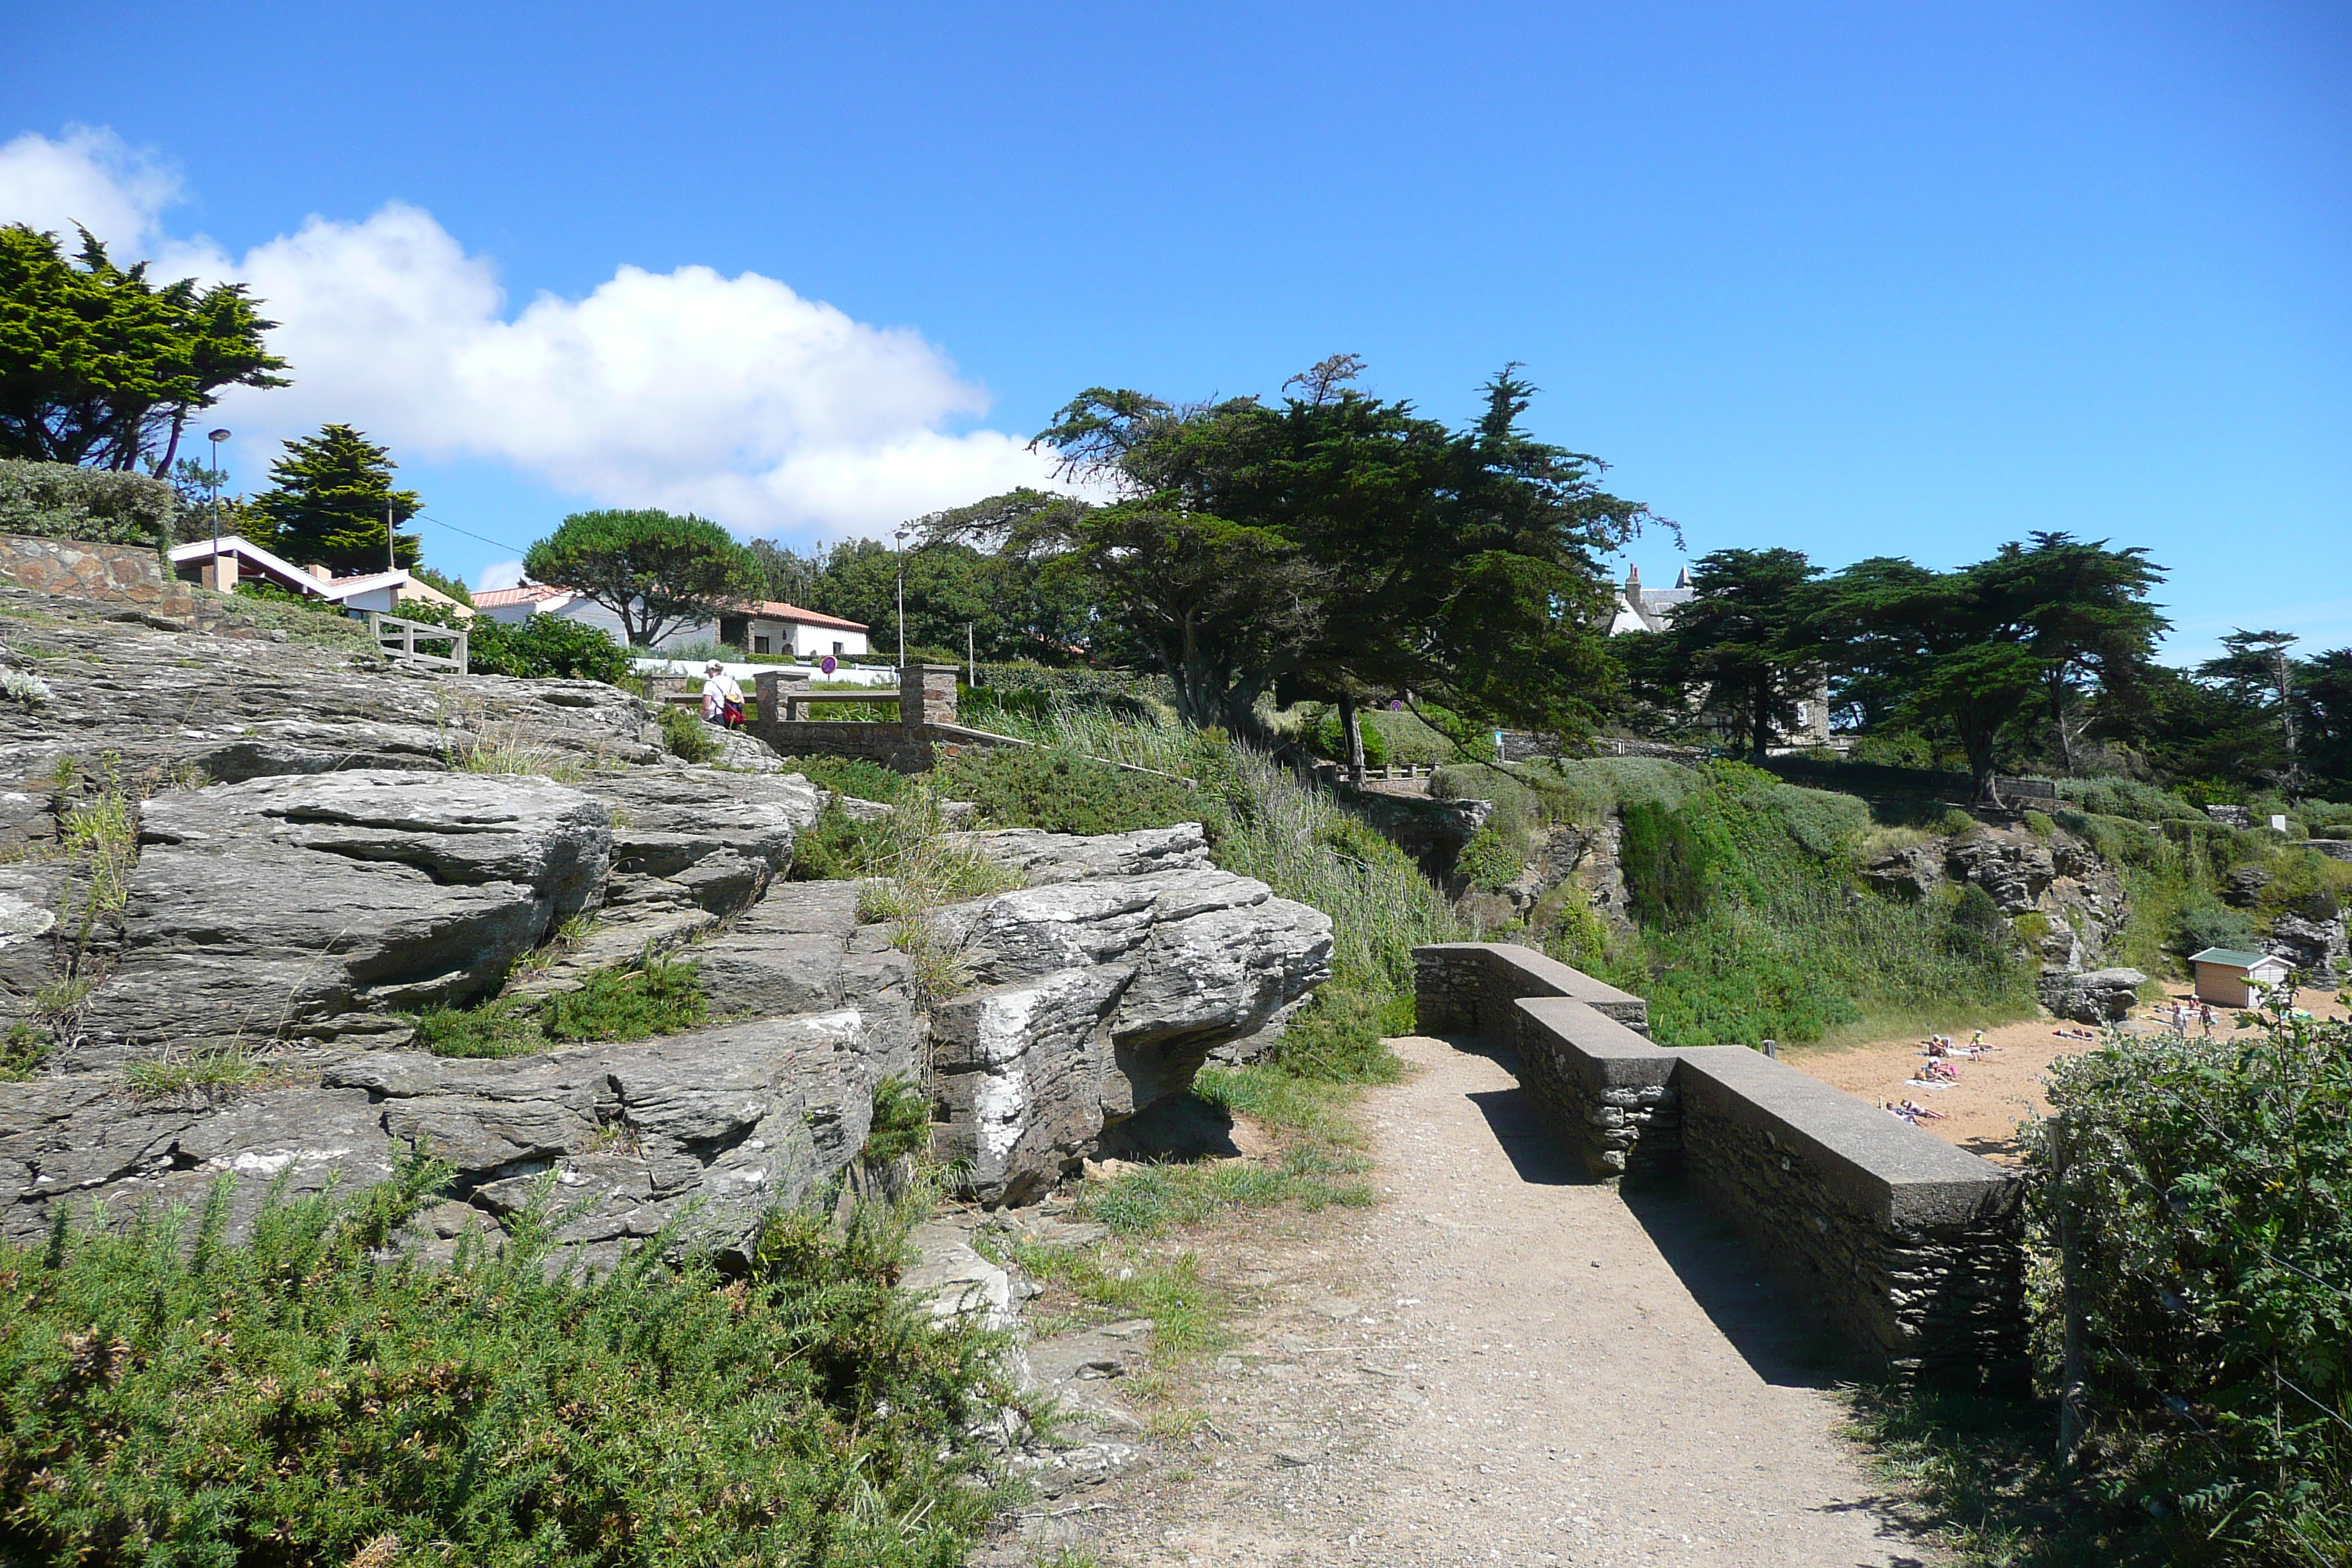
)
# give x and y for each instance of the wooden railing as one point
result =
(398, 637)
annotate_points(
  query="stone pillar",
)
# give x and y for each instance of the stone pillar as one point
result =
(219, 574)
(778, 691)
(927, 694)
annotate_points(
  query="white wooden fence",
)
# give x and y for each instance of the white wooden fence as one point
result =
(398, 637)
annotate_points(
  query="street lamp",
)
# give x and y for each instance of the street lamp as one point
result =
(902, 603)
(216, 438)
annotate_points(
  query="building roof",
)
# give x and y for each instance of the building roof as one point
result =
(333, 589)
(1641, 609)
(2234, 958)
(777, 610)
(527, 593)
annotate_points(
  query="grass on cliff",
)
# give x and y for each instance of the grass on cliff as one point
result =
(630, 1002)
(304, 1398)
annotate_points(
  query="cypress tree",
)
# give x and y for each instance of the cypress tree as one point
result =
(327, 502)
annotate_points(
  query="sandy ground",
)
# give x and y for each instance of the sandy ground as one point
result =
(1501, 1364)
(1994, 1093)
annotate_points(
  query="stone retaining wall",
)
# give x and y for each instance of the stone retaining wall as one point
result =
(108, 573)
(1470, 986)
(1913, 1247)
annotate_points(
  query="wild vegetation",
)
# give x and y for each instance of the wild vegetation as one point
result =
(305, 1397)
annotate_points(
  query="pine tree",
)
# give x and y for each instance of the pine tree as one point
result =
(327, 503)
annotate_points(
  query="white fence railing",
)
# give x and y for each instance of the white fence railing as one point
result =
(398, 637)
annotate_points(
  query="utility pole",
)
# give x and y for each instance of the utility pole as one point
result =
(971, 662)
(216, 438)
(391, 556)
(902, 601)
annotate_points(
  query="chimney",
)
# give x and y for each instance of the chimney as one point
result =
(321, 572)
(1633, 582)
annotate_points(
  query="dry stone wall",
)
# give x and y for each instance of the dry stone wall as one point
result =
(1911, 1246)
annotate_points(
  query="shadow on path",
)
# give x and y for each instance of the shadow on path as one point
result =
(1766, 1317)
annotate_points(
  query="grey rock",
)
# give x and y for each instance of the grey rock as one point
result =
(705, 1130)
(1908, 873)
(316, 906)
(2016, 871)
(1098, 1000)
(2316, 947)
(1039, 858)
(2244, 886)
(2100, 997)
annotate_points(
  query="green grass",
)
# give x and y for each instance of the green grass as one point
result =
(687, 736)
(207, 1071)
(1188, 1316)
(22, 1050)
(1060, 790)
(304, 1398)
(632, 1001)
(853, 777)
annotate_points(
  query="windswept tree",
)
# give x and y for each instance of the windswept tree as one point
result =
(1337, 545)
(100, 367)
(1746, 634)
(656, 572)
(1975, 648)
(330, 501)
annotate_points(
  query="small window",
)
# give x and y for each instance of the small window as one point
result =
(837, 648)
(759, 645)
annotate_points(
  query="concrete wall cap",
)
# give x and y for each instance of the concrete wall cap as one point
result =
(1903, 1176)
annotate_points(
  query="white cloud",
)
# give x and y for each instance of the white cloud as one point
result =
(91, 177)
(500, 574)
(731, 397)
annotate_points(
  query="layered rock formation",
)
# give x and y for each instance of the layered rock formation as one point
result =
(1100, 990)
(310, 870)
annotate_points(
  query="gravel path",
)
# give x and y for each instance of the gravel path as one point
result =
(1500, 1364)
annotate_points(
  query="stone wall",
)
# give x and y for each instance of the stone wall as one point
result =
(1470, 986)
(927, 726)
(128, 574)
(1608, 1093)
(1912, 1248)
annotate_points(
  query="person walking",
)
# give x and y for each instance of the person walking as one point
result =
(722, 697)
(2205, 1016)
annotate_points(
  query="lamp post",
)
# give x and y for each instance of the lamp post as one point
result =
(215, 438)
(902, 604)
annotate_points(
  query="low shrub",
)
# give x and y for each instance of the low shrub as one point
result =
(2127, 797)
(687, 736)
(1061, 791)
(2191, 1197)
(62, 500)
(901, 1124)
(1494, 857)
(631, 1002)
(304, 1398)
(853, 777)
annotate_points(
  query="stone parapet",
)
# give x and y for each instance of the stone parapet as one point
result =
(1913, 1246)
(1607, 1093)
(129, 574)
(1471, 985)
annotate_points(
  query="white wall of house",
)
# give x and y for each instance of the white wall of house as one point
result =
(805, 641)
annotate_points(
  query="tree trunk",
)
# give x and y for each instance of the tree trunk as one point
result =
(1351, 726)
(2057, 688)
(1760, 720)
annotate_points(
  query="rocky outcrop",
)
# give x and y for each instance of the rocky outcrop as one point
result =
(321, 906)
(1096, 999)
(2100, 997)
(1041, 858)
(2078, 895)
(2315, 946)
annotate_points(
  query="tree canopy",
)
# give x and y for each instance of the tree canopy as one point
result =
(330, 501)
(951, 584)
(1747, 636)
(655, 571)
(1335, 544)
(101, 367)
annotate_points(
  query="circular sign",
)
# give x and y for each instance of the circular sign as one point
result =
(1396, 704)
(828, 664)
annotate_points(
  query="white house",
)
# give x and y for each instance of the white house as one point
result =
(2232, 978)
(774, 626)
(225, 562)
(1639, 609)
(769, 627)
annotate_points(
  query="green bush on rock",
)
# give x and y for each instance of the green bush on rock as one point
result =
(303, 1399)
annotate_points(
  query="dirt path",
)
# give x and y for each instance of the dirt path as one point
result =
(1501, 1364)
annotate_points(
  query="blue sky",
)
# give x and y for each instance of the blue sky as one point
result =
(1855, 279)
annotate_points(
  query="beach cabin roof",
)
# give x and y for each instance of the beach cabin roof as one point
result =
(2234, 958)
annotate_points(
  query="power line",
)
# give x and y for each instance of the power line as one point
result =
(468, 532)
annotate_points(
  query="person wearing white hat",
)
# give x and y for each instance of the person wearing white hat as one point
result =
(722, 697)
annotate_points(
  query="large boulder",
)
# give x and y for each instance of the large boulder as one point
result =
(2099, 996)
(1095, 1000)
(1040, 859)
(321, 906)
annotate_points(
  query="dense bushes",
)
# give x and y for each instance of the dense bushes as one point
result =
(302, 1399)
(632, 1001)
(59, 501)
(537, 648)
(1059, 789)
(1750, 928)
(2197, 1197)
